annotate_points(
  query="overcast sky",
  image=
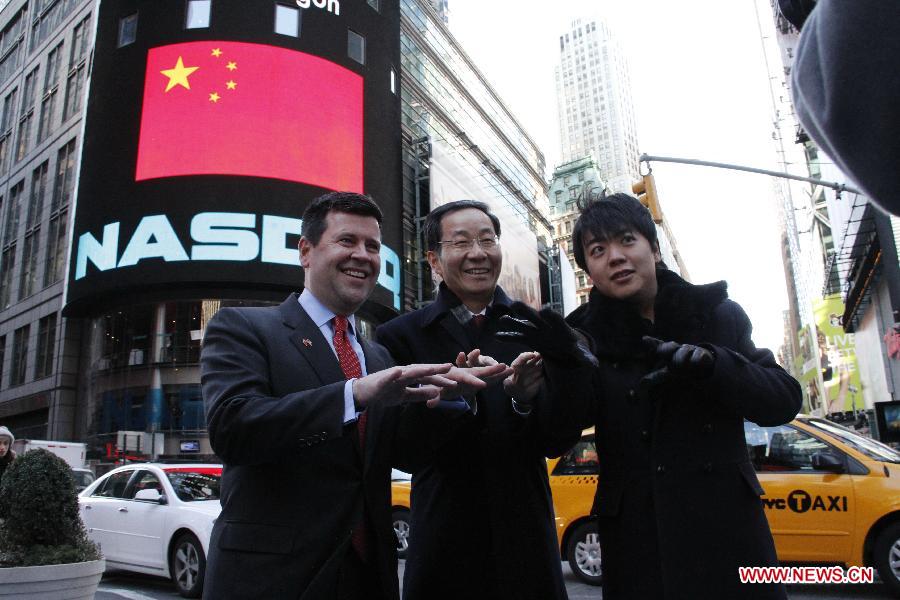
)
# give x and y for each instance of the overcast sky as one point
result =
(700, 90)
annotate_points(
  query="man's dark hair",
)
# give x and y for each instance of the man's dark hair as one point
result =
(347, 202)
(609, 216)
(433, 220)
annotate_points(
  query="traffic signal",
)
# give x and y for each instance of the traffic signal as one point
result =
(645, 190)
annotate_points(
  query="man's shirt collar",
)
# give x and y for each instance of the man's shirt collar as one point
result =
(318, 312)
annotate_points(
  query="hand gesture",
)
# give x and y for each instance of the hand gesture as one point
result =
(527, 376)
(400, 385)
(678, 360)
(545, 332)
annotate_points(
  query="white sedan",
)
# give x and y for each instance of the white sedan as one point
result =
(155, 519)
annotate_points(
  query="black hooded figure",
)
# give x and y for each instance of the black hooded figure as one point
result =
(677, 501)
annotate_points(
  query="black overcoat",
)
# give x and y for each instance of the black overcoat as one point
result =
(482, 523)
(677, 498)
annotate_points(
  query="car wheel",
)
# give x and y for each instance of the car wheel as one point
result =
(400, 517)
(187, 565)
(583, 553)
(886, 556)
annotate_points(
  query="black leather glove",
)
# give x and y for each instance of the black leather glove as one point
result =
(545, 332)
(678, 360)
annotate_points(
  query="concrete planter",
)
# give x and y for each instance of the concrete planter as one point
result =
(73, 581)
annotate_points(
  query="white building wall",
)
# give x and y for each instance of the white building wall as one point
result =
(869, 352)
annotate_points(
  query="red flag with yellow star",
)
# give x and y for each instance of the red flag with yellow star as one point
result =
(232, 108)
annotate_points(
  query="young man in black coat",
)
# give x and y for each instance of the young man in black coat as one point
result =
(482, 524)
(677, 500)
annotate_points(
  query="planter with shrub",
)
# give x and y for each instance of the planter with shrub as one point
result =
(44, 549)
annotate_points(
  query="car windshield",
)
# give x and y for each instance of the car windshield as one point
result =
(871, 448)
(83, 478)
(195, 484)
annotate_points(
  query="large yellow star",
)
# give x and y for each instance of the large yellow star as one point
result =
(178, 75)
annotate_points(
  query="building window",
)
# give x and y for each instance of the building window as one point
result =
(55, 260)
(28, 272)
(6, 126)
(51, 87)
(12, 46)
(48, 15)
(65, 176)
(2, 356)
(7, 262)
(56, 247)
(356, 47)
(26, 115)
(197, 14)
(20, 356)
(13, 212)
(33, 214)
(46, 343)
(77, 69)
(128, 30)
(287, 20)
(393, 81)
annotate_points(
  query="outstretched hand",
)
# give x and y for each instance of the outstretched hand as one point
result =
(678, 360)
(400, 385)
(525, 381)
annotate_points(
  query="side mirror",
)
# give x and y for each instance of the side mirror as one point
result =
(827, 461)
(151, 495)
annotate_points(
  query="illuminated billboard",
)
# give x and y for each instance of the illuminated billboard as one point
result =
(206, 138)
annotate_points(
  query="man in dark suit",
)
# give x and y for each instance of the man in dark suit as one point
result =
(302, 412)
(482, 521)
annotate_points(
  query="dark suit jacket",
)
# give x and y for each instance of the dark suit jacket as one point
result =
(294, 481)
(482, 516)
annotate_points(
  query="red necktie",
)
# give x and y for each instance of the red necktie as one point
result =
(349, 362)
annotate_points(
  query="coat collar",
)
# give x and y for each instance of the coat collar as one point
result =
(446, 300)
(681, 313)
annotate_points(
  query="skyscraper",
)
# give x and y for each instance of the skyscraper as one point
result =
(443, 9)
(593, 98)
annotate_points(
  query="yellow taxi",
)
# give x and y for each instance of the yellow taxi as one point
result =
(401, 483)
(832, 496)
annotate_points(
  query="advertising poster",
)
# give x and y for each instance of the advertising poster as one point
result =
(836, 349)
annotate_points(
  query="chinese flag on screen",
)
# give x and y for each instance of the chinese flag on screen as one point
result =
(231, 108)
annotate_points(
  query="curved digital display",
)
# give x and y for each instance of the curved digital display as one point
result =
(203, 146)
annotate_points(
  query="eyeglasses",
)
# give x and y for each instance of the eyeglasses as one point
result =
(486, 243)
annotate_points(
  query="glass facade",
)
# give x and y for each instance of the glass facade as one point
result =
(445, 98)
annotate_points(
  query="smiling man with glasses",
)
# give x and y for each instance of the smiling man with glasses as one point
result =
(482, 522)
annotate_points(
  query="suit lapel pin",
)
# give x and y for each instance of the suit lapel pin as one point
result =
(307, 342)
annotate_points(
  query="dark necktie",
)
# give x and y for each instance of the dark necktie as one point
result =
(478, 322)
(349, 362)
